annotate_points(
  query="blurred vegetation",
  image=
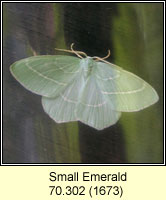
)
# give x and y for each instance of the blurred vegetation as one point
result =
(138, 47)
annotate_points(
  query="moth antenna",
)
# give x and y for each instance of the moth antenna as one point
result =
(78, 52)
(72, 51)
(64, 50)
(109, 53)
(101, 59)
(72, 44)
(98, 58)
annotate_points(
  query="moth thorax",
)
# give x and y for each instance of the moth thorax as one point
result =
(87, 65)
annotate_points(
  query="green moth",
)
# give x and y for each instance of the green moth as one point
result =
(90, 89)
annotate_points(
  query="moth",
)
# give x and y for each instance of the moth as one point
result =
(87, 89)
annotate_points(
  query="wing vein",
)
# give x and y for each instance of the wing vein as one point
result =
(45, 77)
(128, 92)
(109, 78)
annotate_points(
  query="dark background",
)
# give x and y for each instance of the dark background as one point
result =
(134, 34)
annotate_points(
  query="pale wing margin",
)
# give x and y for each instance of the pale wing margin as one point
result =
(46, 75)
(127, 92)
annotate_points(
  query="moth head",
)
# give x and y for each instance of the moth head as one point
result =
(87, 62)
(87, 65)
